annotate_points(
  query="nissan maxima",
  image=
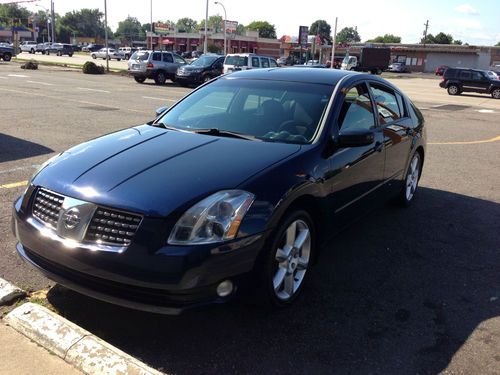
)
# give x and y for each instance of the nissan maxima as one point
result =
(233, 190)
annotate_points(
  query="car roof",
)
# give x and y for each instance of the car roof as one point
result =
(296, 74)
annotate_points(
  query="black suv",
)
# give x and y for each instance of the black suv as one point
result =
(458, 80)
(200, 70)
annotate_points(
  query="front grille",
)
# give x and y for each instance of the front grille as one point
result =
(46, 207)
(112, 227)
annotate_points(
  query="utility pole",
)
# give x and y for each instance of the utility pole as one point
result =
(426, 24)
(151, 24)
(53, 23)
(106, 34)
(205, 45)
(332, 63)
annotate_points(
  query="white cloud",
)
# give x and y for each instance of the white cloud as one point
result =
(467, 9)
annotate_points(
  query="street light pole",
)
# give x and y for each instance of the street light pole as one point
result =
(332, 63)
(225, 26)
(205, 45)
(48, 20)
(151, 23)
(106, 34)
(53, 23)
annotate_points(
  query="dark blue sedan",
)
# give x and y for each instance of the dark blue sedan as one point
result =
(232, 189)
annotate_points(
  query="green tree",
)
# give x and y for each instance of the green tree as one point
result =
(429, 39)
(84, 22)
(241, 29)
(187, 24)
(387, 38)
(212, 48)
(265, 29)
(13, 12)
(214, 22)
(130, 29)
(458, 42)
(321, 28)
(443, 38)
(497, 45)
(348, 35)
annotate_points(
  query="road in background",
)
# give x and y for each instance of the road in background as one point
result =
(402, 291)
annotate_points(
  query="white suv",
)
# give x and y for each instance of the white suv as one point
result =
(28, 46)
(127, 51)
(244, 61)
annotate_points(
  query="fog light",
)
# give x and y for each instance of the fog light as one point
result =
(225, 288)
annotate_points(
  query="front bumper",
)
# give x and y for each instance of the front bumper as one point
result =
(167, 279)
(189, 79)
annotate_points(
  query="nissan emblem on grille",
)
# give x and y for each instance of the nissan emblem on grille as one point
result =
(71, 218)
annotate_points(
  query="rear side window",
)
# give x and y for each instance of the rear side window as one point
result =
(236, 60)
(402, 106)
(167, 57)
(464, 74)
(265, 62)
(387, 104)
(157, 56)
(477, 76)
(255, 62)
(179, 60)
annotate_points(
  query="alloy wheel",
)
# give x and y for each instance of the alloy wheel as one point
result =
(453, 90)
(496, 94)
(292, 259)
(412, 177)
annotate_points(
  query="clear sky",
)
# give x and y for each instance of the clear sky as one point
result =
(474, 21)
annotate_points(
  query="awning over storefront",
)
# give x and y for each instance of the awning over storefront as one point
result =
(167, 41)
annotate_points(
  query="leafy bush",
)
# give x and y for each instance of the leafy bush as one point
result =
(91, 68)
(31, 65)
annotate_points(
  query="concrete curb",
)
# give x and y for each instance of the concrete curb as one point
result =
(9, 292)
(72, 343)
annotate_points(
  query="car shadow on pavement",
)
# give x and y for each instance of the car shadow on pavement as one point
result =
(16, 148)
(400, 291)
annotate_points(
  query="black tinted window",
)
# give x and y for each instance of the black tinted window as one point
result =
(387, 104)
(477, 76)
(464, 74)
(157, 56)
(167, 57)
(357, 110)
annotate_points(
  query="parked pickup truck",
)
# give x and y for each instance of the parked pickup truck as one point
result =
(28, 46)
(6, 52)
(370, 59)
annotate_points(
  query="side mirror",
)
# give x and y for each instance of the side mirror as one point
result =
(160, 110)
(355, 138)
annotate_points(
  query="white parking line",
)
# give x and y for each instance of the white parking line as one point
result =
(162, 99)
(18, 75)
(41, 83)
(485, 110)
(96, 90)
(3, 78)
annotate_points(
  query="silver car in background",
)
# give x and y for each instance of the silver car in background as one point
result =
(112, 54)
(157, 65)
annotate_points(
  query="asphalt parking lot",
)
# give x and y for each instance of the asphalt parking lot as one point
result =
(412, 290)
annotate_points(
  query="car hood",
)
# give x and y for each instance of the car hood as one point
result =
(154, 171)
(192, 67)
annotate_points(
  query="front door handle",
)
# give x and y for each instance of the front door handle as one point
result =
(379, 146)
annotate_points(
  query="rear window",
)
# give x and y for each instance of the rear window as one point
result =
(236, 60)
(140, 55)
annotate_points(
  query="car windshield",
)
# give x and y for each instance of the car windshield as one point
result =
(236, 60)
(204, 61)
(140, 55)
(273, 111)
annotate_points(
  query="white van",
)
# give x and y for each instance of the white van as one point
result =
(244, 61)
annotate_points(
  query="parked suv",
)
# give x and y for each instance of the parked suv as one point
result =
(244, 61)
(41, 47)
(458, 80)
(28, 46)
(127, 51)
(59, 49)
(157, 65)
(6, 52)
(200, 70)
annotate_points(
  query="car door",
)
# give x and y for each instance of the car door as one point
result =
(396, 124)
(168, 62)
(358, 171)
(479, 81)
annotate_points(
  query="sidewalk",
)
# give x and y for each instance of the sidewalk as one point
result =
(20, 356)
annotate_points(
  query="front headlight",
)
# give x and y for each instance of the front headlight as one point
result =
(216, 218)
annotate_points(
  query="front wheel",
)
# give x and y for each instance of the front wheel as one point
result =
(7, 57)
(59, 53)
(495, 94)
(139, 79)
(288, 260)
(453, 90)
(411, 180)
(94, 56)
(160, 78)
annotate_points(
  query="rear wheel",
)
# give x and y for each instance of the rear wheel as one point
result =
(7, 57)
(59, 53)
(47, 52)
(285, 267)
(70, 54)
(94, 56)
(411, 180)
(495, 93)
(453, 90)
(206, 78)
(160, 78)
(139, 79)
(32, 51)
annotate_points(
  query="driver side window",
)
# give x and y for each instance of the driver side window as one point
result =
(357, 110)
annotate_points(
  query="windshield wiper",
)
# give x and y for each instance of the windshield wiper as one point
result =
(166, 126)
(224, 133)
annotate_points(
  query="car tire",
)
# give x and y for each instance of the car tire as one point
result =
(118, 59)
(93, 56)
(47, 53)
(453, 90)
(283, 270)
(32, 51)
(495, 94)
(139, 79)
(160, 78)
(127, 57)
(206, 78)
(410, 183)
(59, 53)
(70, 54)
